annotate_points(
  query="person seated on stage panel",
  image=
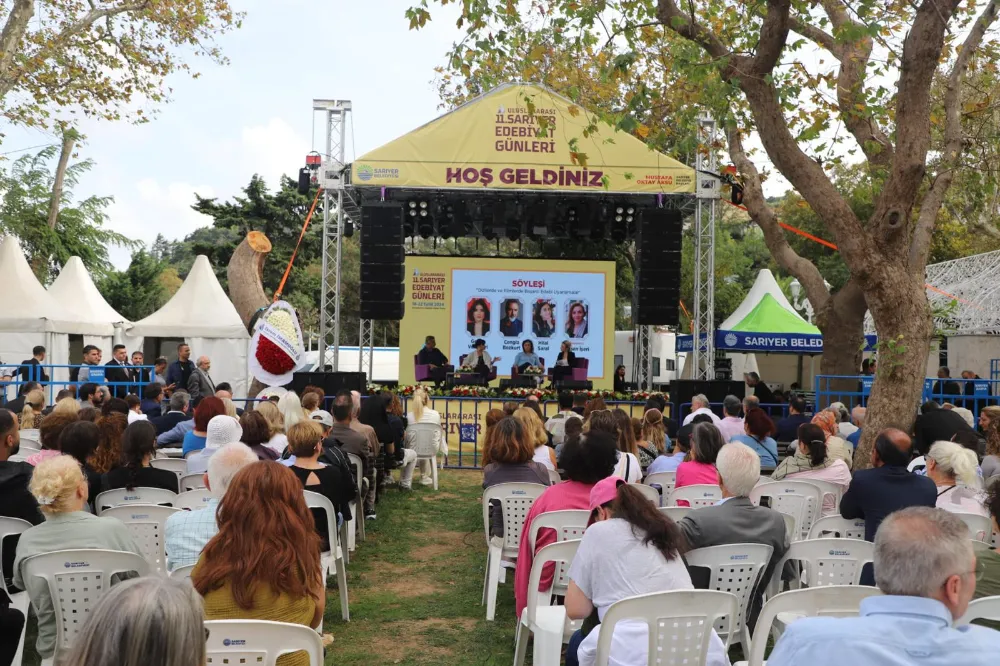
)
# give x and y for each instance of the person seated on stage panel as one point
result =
(527, 358)
(564, 362)
(576, 327)
(433, 357)
(479, 360)
(543, 324)
(478, 318)
(511, 325)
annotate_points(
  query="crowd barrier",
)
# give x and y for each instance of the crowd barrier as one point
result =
(14, 376)
(853, 390)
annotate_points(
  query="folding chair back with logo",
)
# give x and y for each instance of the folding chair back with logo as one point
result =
(147, 525)
(178, 466)
(9, 528)
(259, 642)
(332, 559)
(980, 527)
(801, 500)
(569, 524)
(828, 561)
(190, 482)
(548, 623)
(696, 496)
(123, 497)
(833, 490)
(516, 500)
(192, 500)
(664, 480)
(839, 528)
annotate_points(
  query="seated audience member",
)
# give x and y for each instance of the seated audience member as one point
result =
(706, 442)
(109, 446)
(989, 559)
(585, 461)
(177, 412)
(114, 406)
(510, 407)
(152, 401)
(17, 404)
(731, 423)
(736, 519)
(305, 440)
(351, 441)
(256, 433)
(580, 403)
(812, 460)
(138, 448)
(681, 450)
(844, 426)
(699, 406)
(61, 491)
(16, 501)
(275, 425)
(927, 573)
(134, 409)
(61, 395)
(492, 417)
(788, 427)
(507, 458)
(628, 467)
(290, 406)
(80, 440)
(647, 451)
(574, 428)
(67, 405)
(952, 468)
(310, 402)
(422, 412)
(758, 428)
(835, 444)
(534, 433)
(935, 425)
(397, 426)
(264, 562)
(629, 549)
(230, 408)
(653, 432)
(858, 415)
(187, 532)
(206, 410)
(88, 414)
(149, 621)
(31, 413)
(991, 461)
(556, 425)
(49, 432)
(222, 430)
(334, 458)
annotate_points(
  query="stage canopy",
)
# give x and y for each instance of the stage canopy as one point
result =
(522, 136)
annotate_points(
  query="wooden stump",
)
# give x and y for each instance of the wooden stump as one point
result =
(246, 286)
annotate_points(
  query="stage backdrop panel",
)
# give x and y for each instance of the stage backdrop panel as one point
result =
(508, 301)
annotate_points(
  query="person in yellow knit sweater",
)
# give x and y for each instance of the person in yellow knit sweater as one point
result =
(264, 564)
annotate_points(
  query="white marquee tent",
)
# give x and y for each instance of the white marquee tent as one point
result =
(74, 290)
(201, 314)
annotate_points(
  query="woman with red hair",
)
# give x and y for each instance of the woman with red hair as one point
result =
(264, 563)
(206, 410)
(759, 427)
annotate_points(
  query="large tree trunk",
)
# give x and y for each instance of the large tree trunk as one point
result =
(246, 286)
(842, 322)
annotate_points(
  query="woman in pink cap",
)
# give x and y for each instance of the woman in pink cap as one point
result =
(629, 549)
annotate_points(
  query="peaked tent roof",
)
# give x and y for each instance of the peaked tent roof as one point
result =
(763, 315)
(75, 291)
(29, 306)
(495, 142)
(200, 308)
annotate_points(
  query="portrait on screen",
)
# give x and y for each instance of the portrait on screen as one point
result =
(512, 324)
(576, 319)
(543, 320)
(478, 317)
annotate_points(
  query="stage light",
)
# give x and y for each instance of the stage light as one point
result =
(620, 222)
(513, 230)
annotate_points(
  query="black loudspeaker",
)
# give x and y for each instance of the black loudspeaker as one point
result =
(330, 382)
(658, 263)
(575, 385)
(682, 390)
(382, 261)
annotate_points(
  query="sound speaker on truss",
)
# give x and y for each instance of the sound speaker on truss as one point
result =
(658, 278)
(382, 257)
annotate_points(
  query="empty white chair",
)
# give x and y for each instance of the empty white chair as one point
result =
(568, 524)
(178, 466)
(259, 642)
(182, 573)
(680, 623)
(9, 527)
(123, 496)
(421, 437)
(828, 561)
(540, 617)
(697, 495)
(193, 499)
(835, 526)
(357, 526)
(803, 501)
(665, 480)
(76, 580)
(146, 523)
(736, 569)
(516, 500)
(830, 601)
(980, 527)
(987, 608)
(332, 559)
(190, 482)
(675, 512)
(649, 492)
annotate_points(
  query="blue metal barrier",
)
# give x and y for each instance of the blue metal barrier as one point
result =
(53, 386)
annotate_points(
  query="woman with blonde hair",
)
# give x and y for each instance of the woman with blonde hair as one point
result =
(277, 441)
(953, 468)
(230, 408)
(66, 406)
(647, 451)
(535, 433)
(291, 409)
(31, 415)
(420, 404)
(60, 489)
(628, 466)
(653, 431)
(991, 461)
(989, 415)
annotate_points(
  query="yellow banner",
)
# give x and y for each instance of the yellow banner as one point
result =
(522, 137)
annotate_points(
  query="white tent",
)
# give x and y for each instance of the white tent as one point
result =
(201, 314)
(75, 292)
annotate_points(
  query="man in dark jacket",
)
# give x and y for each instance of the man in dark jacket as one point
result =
(117, 372)
(936, 424)
(788, 427)
(178, 411)
(179, 372)
(152, 399)
(30, 367)
(15, 499)
(17, 404)
(334, 457)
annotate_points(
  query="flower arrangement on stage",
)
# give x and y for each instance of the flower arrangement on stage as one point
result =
(533, 370)
(276, 345)
(543, 395)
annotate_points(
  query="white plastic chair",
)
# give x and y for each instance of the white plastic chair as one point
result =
(568, 524)
(357, 525)
(737, 569)
(980, 527)
(516, 500)
(332, 559)
(8, 528)
(832, 489)
(665, 480)
(421, 438)
(193, 500)
(123, 497)
(259, 642)
(540, 617)
(190, 482)
(698, 495)
(680, 622)
(76, 580)
(830, 601)
(803, 501)
(835, 526)
(30, 438)
(675, 512)
(182, 573)
(827, 561)
(178, 466)
(554, 477)
(146, 523)
(987, 608)
(649, 492)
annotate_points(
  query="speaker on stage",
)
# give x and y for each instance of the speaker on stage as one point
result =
(658, 263)
(382, 261)
(330, 382)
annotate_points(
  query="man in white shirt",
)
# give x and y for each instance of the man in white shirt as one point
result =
(732, 424)
(699, 405)
(556, 425)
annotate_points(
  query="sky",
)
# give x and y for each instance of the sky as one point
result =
(255, 115)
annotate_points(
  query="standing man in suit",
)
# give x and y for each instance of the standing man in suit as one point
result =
(736, 519)
(511, 325)
(116, 370)
(30, 373)
(140, 375)
(200, 385)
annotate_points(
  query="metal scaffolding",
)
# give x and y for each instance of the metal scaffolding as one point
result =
(703, 317)
(366, 347)
(643, 359)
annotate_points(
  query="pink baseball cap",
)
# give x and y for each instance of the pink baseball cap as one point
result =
(604, 491)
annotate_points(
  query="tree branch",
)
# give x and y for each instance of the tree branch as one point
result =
(820, 37)
(773, 36)
(13, 32)
(69, 141)
(685, 25)
(924, 227)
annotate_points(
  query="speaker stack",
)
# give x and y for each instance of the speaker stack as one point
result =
(382, 257)
(658, 279)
